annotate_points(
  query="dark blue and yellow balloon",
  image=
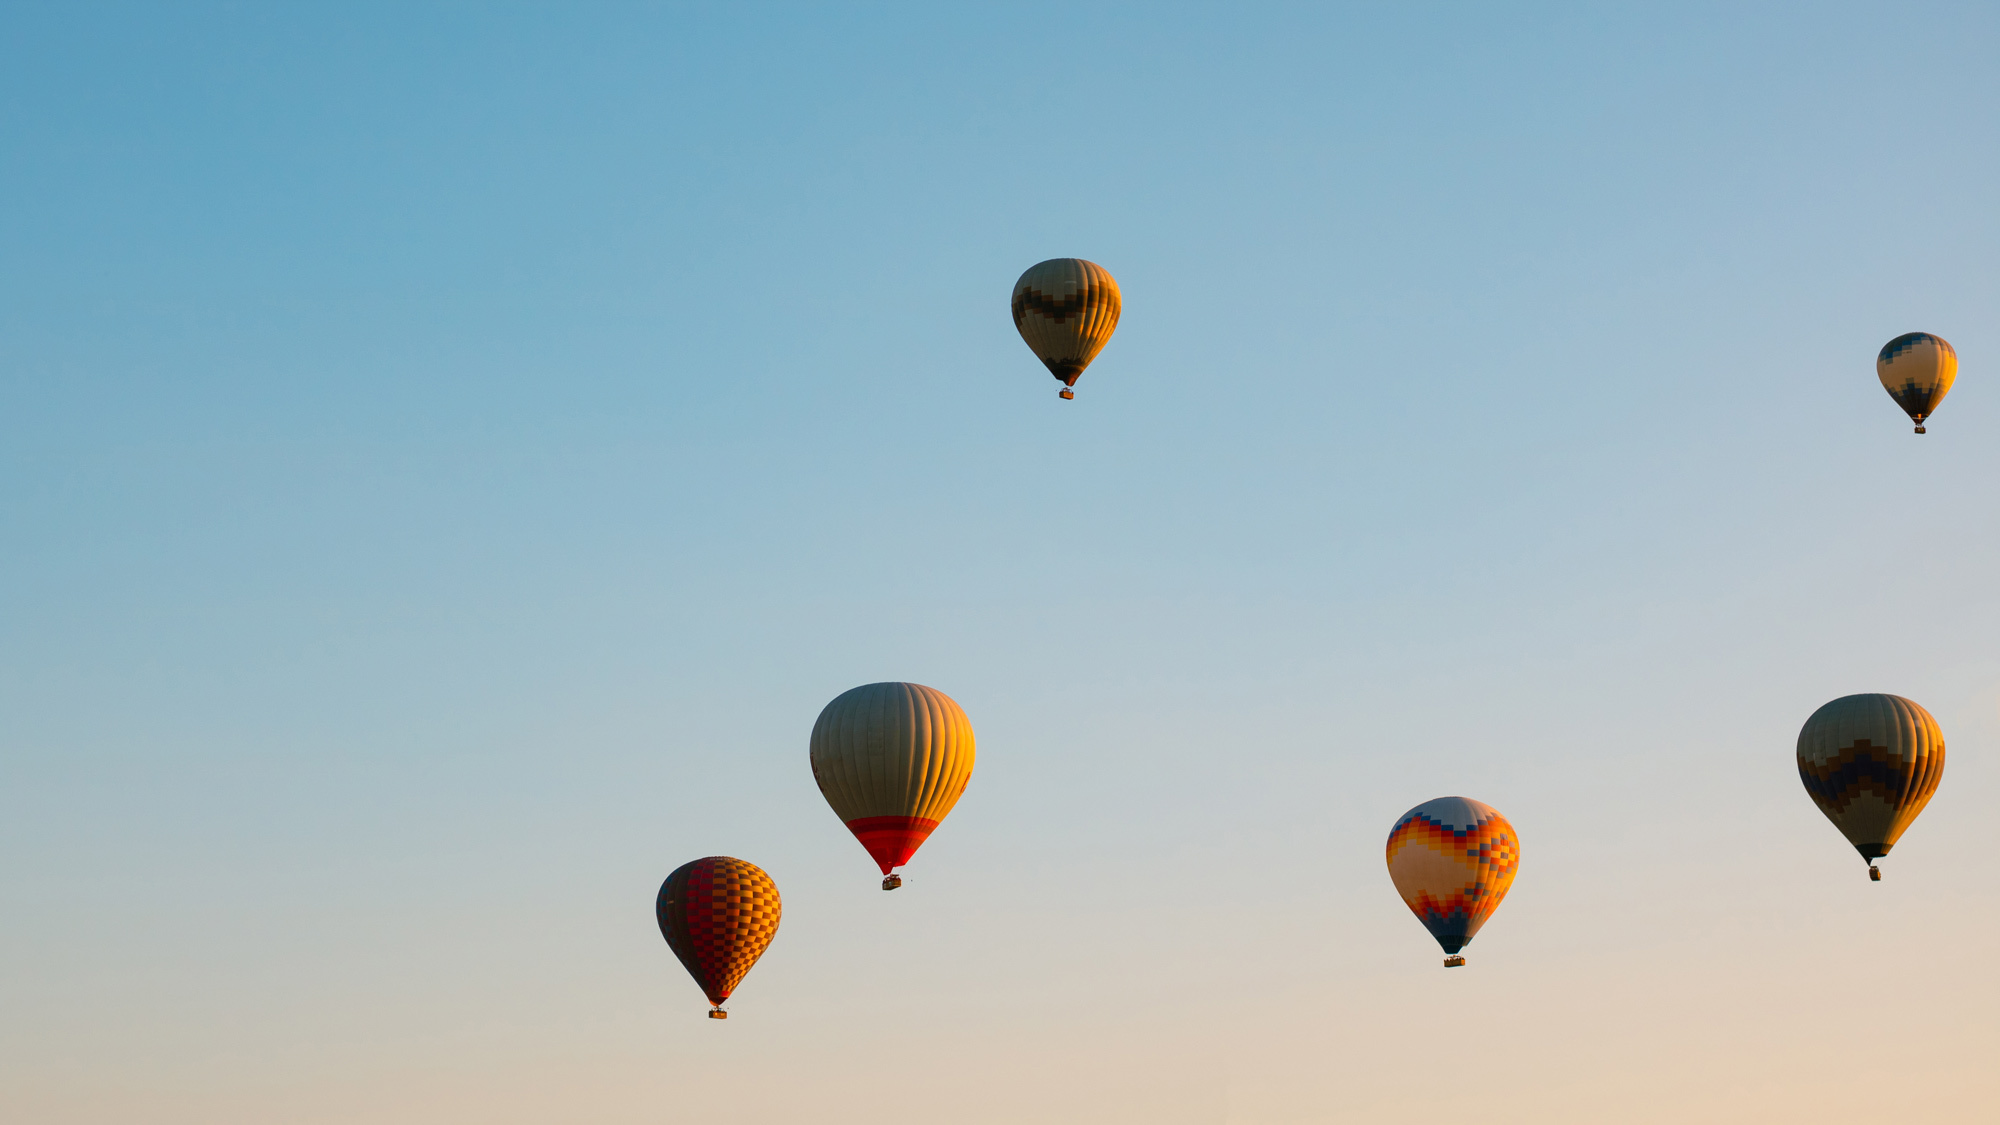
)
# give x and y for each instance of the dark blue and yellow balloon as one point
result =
(1066, 310)
(1871, 762)
(1917, 370)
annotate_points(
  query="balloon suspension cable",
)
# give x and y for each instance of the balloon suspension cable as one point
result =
(1454, 961)
(1874, 873)
(716, 1013)
(891, 882)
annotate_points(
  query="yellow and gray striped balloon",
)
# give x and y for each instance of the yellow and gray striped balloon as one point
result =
(1066, 309)
(1917, 370)
(892, 759)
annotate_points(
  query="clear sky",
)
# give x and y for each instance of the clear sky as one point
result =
(450, 453)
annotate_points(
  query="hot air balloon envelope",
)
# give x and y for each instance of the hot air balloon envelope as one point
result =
(1917, 370)
(718, 915)
(1452, 860)
(892, 759)
(1871, 763)
(1066, 310)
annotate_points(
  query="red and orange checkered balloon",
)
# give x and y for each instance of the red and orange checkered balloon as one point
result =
(718, 915)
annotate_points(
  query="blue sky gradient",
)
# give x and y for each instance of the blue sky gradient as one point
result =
(451, 453)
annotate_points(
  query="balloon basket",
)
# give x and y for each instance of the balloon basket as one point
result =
(1920, 429)
(1874, 873)
(1066, 393)
(717, 1014)
(891, 882)
(1454, 962)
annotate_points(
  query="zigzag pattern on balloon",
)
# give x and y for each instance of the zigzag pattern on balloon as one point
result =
(1865, 768)
(1451, 915)
(1058, 309)
(1909, 340)
(1487, 849)
(1914, 399)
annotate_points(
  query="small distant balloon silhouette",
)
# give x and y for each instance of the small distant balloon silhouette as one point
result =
(1917, 369)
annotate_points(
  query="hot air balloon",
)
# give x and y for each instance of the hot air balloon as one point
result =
(1871, 763)
(1917, 369)
(1066, 309)
(892, 759)
(718, 915)
(1453, 860)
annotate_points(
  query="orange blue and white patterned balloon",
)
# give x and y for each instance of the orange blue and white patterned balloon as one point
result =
(1453, 860)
